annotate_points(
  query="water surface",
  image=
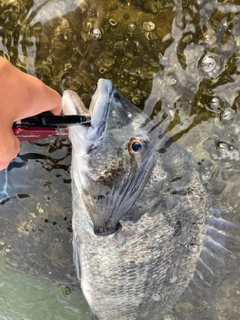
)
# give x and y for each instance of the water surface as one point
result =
(170, 56)
(36, 270)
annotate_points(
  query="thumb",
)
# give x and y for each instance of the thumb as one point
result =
(9, 145)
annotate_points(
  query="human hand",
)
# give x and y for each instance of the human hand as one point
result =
(21, 96)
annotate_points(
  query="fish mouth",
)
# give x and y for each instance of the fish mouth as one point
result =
(99, 108)
(98, 111)
(86, 138)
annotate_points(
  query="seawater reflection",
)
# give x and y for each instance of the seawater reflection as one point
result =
(37, 274)
(181, 56)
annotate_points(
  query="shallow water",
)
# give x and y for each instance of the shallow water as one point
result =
(26, 298)
(36, 271)
(168, 55)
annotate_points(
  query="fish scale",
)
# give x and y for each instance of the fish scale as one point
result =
(140, 260)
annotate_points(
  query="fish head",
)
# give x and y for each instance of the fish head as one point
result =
(113, 152)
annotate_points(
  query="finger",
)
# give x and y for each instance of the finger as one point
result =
(44, 98)
(58, 101)
(9, 144)
(31, 96)
(4, 165)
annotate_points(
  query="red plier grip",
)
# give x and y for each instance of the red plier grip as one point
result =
(34, 134)
(46, 125)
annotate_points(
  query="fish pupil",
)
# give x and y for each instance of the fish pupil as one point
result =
(136, 146)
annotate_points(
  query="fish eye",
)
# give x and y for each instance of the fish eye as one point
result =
(135, 145)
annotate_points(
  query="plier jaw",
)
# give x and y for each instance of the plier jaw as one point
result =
(46, 125)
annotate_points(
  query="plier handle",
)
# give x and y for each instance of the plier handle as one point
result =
(45, 125)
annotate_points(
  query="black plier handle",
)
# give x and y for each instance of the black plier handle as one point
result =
(45, 125)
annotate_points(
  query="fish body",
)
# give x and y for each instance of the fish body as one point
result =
(138, 209)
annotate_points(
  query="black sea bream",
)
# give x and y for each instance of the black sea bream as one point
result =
(140, 211)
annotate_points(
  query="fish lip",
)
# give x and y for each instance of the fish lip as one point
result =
(99, 108)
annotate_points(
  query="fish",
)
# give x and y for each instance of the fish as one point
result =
(143, 225)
